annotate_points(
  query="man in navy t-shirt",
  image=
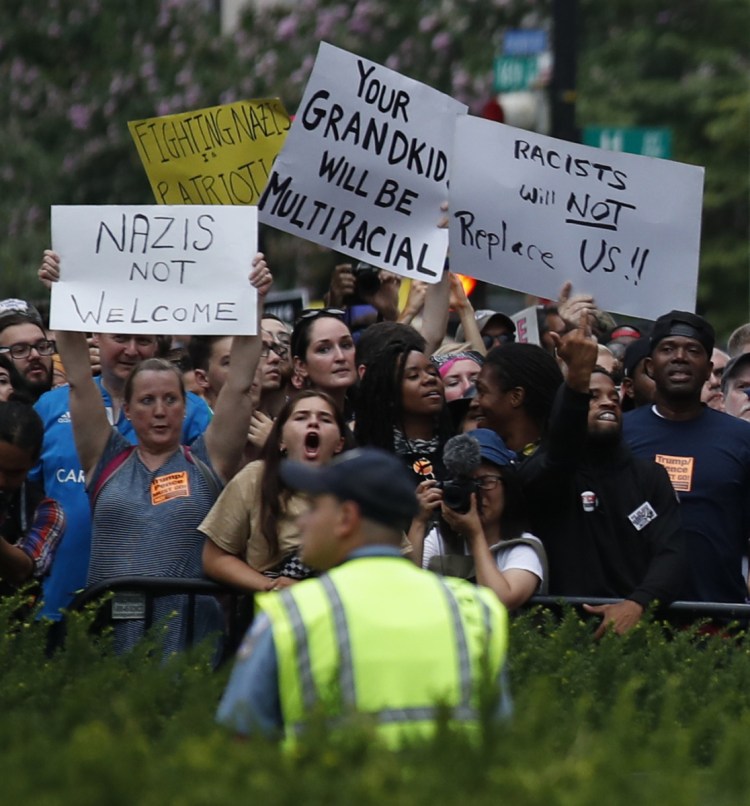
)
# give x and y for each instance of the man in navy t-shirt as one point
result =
(705, 452)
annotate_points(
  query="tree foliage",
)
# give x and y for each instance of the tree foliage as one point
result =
(73, 72)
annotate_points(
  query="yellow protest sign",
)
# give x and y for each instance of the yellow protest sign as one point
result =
(218, 155)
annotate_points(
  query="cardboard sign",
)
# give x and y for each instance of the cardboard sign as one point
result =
(365, 166)
(156, 269)
(527, 326)
(529, 212)
(218, 155)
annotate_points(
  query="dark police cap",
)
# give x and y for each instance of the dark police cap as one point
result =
(683, 323)
(375, 480)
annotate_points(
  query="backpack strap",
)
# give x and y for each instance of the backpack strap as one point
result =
(114, 464)
(538, 548)
(462, 565)
(208, 475)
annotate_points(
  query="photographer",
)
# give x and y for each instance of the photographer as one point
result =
(366, 294)
(481, 535)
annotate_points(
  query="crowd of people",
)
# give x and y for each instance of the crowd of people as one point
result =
(606, 461)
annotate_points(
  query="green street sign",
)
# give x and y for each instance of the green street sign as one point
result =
(516, 73)
(655, 142)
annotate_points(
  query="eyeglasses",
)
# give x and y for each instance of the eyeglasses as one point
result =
(487, 483)
(314, 313)
(494, 341)
(23, 350)
(268, 347)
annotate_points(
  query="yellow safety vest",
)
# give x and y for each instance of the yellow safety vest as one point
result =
(379, 636)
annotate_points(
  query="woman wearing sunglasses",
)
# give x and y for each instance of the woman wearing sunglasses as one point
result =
(323, 353)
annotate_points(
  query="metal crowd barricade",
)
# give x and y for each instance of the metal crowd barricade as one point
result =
(133, 597)
(682, 609)
(131, 593)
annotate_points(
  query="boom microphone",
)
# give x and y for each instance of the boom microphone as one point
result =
(461, 456)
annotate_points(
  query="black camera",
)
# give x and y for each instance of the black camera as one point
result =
(457, 493)
(366, 280)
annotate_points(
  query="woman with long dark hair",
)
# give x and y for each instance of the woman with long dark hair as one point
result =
(323, 352)
(251, 533)
(401, 408)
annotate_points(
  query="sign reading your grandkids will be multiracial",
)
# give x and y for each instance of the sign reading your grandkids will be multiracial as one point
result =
(365, 166)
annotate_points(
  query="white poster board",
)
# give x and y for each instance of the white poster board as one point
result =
(527, 326)
(179, 270)
(365, 166)
(529, 212)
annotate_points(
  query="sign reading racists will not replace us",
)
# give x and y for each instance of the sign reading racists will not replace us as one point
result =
(530, 212)
(365, 166)
(155, 269)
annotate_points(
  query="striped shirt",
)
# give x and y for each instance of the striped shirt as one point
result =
(145, 523)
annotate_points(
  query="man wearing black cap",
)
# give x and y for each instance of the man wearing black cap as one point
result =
(375, 636)
(705, 452)
(24, 339)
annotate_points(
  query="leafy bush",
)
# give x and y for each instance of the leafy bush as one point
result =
(657, 716)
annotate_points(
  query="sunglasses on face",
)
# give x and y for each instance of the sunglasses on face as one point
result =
(494, 341)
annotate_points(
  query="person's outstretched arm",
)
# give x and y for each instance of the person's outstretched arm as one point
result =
(91, 428)
(227, 432)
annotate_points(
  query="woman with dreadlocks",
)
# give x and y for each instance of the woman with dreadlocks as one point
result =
(401, 408)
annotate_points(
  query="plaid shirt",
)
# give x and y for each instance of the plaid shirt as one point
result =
(43, 535)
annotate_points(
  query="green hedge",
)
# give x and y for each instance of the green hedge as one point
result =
(657, 716)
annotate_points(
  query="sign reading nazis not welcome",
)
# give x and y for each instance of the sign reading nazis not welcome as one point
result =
(155, 269)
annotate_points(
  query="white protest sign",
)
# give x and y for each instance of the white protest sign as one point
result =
(365, 166)
(155, 269)
(527, 326)
(529, 212)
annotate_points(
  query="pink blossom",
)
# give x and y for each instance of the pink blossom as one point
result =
(184, 77)
(17, 71)
(428, 23)
(79, 117)
(287, 28)
(441, 41)
(192, 97)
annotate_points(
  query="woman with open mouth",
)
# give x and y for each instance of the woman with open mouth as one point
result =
(252, 539)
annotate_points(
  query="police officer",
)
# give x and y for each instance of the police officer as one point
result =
(375, 636)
